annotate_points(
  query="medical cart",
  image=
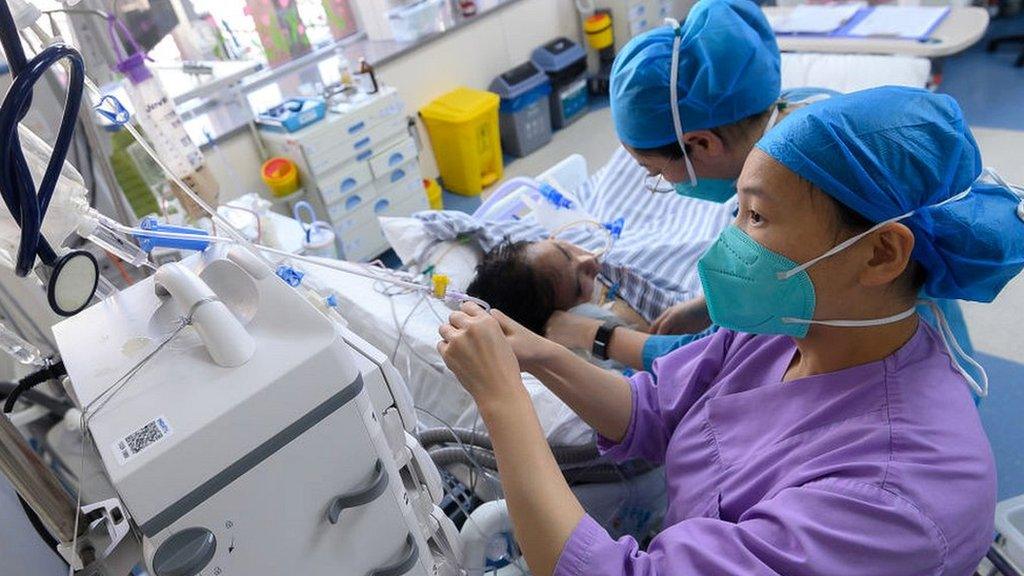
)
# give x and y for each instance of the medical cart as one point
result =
(356, 164)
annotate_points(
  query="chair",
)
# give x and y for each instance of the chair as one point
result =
(993, 45)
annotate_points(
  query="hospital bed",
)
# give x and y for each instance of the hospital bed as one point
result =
(404, 326)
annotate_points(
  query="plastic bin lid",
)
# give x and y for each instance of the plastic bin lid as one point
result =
(518, 81)
(557, 55)
(460, 105)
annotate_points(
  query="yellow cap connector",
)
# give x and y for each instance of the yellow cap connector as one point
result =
(440, 285)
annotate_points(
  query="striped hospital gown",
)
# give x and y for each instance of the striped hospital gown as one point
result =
(654, 261)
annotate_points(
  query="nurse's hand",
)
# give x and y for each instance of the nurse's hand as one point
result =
(475, 347)
(687, 317)
(572, 330)
(530, 348)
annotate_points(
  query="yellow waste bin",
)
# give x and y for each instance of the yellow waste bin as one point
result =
(463, 128)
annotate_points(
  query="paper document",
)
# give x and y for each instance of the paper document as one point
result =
(900, 21)
(806, 19)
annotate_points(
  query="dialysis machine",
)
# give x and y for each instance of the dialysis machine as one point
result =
(221, 421)
(239, 430)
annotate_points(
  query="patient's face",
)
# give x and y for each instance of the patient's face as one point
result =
(573, 270)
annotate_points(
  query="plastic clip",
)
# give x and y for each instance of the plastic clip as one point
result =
(291, 276)
(111, 108)
(440, 285)
(148, 243)
(553, 196)
(615, 227)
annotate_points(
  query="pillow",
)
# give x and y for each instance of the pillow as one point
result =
(417, 249)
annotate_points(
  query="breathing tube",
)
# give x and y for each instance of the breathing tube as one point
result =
(27, 204)
(152, 234)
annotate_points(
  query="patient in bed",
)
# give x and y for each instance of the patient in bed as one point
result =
(531, 280)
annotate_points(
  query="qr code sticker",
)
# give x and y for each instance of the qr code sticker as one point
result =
(138, 441)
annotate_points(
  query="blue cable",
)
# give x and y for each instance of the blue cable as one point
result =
(17, 188)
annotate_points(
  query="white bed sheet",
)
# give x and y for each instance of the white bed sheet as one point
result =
(433, 386)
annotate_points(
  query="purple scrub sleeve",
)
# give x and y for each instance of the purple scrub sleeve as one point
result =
(881, 468)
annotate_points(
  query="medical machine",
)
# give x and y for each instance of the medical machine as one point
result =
(245, 433)
(212, 418)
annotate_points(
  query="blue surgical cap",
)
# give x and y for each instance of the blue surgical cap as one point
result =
(728, 70)
(889, 151)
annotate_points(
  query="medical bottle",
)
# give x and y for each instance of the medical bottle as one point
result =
(556, 211)
(155, 113)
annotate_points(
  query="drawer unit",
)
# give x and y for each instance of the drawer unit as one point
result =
(323, 154)
(358, 229)
(384, 162)
(342, 182)
(357, 164)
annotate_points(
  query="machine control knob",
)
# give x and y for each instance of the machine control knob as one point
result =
(185, 553)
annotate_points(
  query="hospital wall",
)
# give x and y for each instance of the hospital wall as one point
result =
(470, 56)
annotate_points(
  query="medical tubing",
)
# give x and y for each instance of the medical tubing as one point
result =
(598, 473)
(609, 237)
(339, 265)
(54, 405)
(351, 268)
(51, 372)
(27, 204)
(433, 436)
(443, 457)
(141, 140)
(564, 455)
(502, 199)
(11, 41)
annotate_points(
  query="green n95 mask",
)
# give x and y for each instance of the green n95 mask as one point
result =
(741, 283)
(751, 289)
(710, 189)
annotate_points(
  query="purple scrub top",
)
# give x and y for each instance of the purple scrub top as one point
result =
(880, 469)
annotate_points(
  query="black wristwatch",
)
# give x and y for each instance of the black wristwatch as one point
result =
(603, 337)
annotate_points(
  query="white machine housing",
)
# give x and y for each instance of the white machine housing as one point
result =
(236, 470)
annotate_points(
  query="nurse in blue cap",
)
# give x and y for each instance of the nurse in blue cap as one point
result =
(689, 102)
(824, 429)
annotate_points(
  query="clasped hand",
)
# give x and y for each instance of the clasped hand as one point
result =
(487, 351)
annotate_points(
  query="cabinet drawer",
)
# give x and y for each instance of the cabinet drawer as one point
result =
(403, 181)
(340, 183)
(358, 118)
(351, 210)
(404, 201)
(383, 163)
(324, 155)
(363, 242)
(360, 234)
